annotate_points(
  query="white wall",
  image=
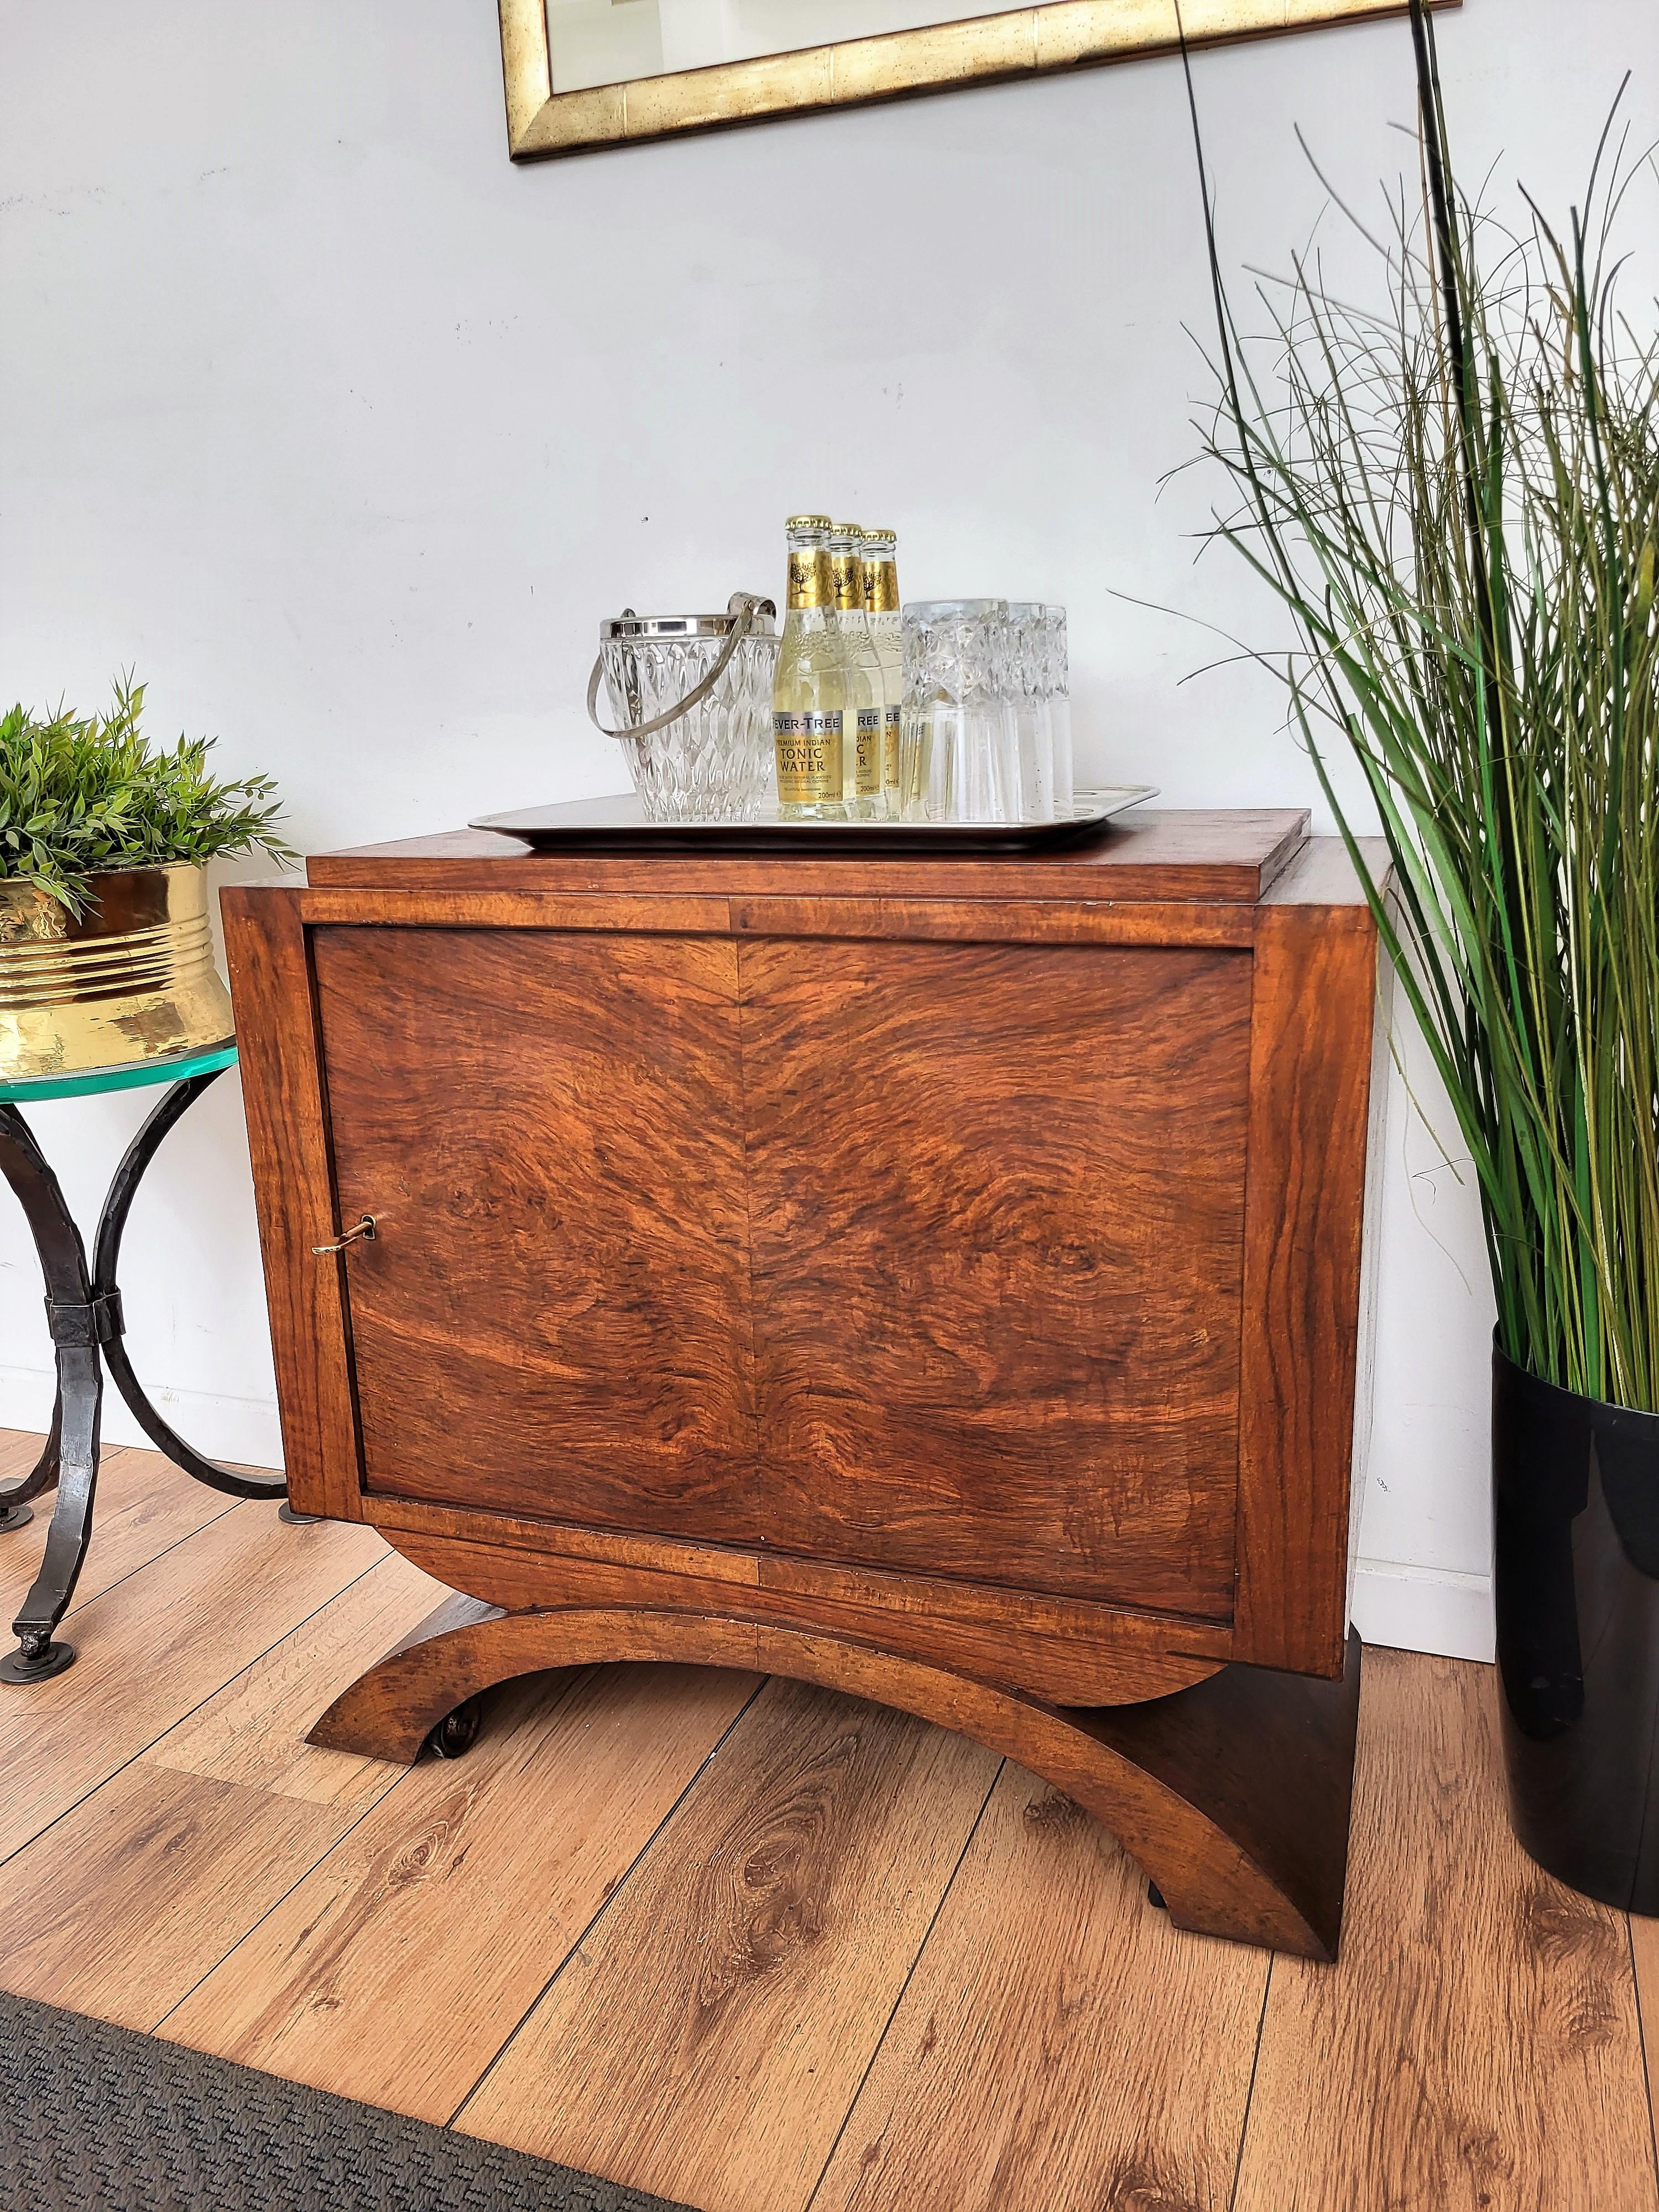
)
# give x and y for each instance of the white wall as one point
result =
(344, 433)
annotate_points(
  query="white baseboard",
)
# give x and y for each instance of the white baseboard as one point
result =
(1424, 1609)
(242, 1430)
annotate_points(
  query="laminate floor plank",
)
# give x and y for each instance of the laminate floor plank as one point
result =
(144, 1505)
(254, 1731)
(1059, 2045)
(156, 1645)
(1644, 1957)
(706, 2039)
(400, 1965)
(19, 1450)
(139, 1890)
(1478, 2048)
(682, 1969)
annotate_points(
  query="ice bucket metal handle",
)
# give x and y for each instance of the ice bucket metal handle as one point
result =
(745, 606)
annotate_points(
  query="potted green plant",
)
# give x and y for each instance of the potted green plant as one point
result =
(1454, 490)
(106, 955)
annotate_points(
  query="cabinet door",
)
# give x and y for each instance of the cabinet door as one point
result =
(553, 1317)
(997, 1194)
(917, 1256)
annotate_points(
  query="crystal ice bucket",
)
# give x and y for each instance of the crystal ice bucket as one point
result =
(691, 699)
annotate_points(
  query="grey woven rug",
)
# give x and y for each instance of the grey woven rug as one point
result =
(98, 2119)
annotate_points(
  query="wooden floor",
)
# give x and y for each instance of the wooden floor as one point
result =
(760, 1949)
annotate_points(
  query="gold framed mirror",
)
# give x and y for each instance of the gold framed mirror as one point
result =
(586, 73)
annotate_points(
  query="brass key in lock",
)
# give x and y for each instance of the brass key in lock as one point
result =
(365, 1229)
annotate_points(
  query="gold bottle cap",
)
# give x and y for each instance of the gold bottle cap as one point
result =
(808, 522)
(846, 530)
(885, 536)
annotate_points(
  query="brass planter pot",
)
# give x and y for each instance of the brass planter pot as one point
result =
(130, 979)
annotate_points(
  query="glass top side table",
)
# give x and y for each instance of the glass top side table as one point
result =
(83, 1306)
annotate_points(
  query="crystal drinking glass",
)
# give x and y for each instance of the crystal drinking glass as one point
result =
(1028, 678)
(959, 750)
(1057, 696)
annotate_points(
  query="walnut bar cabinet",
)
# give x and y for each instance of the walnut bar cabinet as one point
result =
(938, 1279)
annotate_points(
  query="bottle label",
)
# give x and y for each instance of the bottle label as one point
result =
(889, 751)
(866, 781)
(849, 571)
(811, 581)
(809, 758)
(881, 587)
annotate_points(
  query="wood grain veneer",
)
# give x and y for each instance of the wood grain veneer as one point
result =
(848, 1251)
(268, 960)
(1082, 1655)
(554, 1313)
(996, 1280)
(948, 1263)
(1311, 1048)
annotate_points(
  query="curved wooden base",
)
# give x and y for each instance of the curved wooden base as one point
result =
(1233, 1794)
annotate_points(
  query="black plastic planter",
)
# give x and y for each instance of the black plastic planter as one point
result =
(1576, 1501)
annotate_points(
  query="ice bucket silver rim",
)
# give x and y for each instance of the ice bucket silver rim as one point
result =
(744, 613)
(627, 625)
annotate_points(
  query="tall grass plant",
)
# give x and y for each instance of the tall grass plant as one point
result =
(1453, 490)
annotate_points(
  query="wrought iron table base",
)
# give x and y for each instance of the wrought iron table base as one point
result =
(84, 1310)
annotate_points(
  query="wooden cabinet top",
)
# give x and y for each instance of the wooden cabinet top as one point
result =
(1236, 856)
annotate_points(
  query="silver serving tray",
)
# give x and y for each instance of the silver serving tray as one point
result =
(618, 825)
